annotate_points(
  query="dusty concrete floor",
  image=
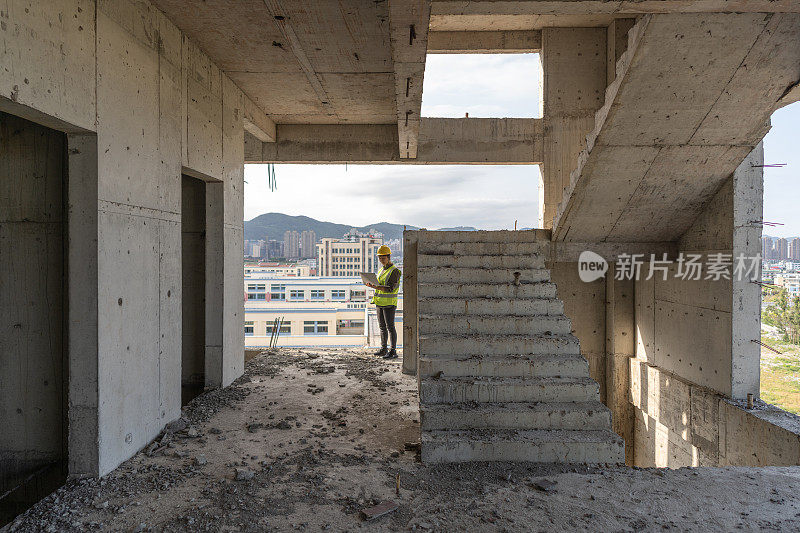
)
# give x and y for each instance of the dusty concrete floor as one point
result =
(309, 438)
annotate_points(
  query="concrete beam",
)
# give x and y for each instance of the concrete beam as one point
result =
(616, 7)
(408, 29)
(569, 252)
(484, 42)
(441, 141)
(283, 23)
(257, 123)
(791, 96)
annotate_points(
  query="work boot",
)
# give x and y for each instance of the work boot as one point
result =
(392, 354)
(382, 352)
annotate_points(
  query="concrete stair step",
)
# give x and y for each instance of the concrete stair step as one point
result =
(508, 324)
(504, 366)
(494, 389)
(516, 262)
(540, 446)
(485, 248)
(464, 276)
(432, 345)
(490, 306)
(535, 235)
(504, 289)
(523, 416)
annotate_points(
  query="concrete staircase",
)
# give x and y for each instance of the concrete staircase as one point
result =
(501, 377)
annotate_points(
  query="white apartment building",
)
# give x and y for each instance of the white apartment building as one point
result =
(346, 258)
(277, 269)
(315, 311)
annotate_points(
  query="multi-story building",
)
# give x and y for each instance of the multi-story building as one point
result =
(312, 311)
(397, 247)
(256, 249)
(794, 249)
(790, 282)
(781, 249)
(344, 258)
(291, 244)
(274, 249)
(767, 248)
(278, 270)
(353, 235)
(308, 240)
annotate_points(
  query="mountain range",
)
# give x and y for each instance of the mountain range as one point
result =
(273, 225)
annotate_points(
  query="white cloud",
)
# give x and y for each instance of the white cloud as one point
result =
(487, 197)
(485, 85)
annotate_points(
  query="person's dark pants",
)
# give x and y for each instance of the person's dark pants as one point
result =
(386, 323)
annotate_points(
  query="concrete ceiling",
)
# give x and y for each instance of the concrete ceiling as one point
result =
(301, 62)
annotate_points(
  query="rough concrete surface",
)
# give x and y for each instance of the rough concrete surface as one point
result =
(307, 439)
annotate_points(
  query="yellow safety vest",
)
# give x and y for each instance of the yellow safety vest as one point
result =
(384, 298)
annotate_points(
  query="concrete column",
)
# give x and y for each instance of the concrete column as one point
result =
(410, 314)
(620, 348)
(617, 43)
(574, 74)
(82, 280)
(748, 208)
(214, 283)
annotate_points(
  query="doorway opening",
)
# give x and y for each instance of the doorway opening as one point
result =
(33, 313)
(193, 287)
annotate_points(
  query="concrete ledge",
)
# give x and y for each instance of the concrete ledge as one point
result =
(681, 424)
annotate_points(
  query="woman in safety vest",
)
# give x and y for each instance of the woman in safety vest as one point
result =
(385, 299)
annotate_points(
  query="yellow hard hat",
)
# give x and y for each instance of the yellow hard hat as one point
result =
(384, 250)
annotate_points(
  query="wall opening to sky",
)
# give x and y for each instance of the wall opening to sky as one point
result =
(488, 197)
(483, 85)
(779, 375)
(782, 184)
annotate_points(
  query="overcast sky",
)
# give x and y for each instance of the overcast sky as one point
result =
(486, 197)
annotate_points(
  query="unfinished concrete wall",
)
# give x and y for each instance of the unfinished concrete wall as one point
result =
(679, 423)
(159, 107)
(33, 366)
(573, 88)
(694, 344)
(584, 304)
(601, 313)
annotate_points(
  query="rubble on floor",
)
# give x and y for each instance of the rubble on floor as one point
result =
(321, 439)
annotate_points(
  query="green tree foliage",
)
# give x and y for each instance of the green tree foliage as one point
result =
(784, 314)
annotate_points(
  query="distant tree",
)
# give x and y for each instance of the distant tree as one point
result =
(784, 314)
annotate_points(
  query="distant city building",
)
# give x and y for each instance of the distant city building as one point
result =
(767, 249)
(345, 258)
(254, 248)
(790, 282)
(278, 270)
(291, 244)
(794, 249)
(274, 249)
(781, 249)
(308, 241)
(354, 235)
(396, 245)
